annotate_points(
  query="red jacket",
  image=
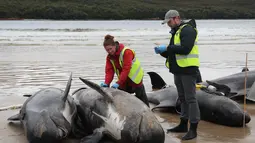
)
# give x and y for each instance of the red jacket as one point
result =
(124, 80)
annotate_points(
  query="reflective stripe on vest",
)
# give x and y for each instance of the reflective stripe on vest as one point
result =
(136, 71)
(192, 59)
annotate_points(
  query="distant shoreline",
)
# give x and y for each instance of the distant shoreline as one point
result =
(123, 9)
(11, 18)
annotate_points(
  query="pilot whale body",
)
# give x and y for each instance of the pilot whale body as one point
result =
(116, 114)
(48, 115)
(213, 108)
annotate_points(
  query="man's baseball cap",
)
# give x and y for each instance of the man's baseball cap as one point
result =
(170, 14)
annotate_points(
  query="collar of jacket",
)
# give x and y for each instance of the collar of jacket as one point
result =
(173, 30)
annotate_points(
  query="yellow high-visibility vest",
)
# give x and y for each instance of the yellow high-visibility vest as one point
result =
(136, 71)
(192, 59)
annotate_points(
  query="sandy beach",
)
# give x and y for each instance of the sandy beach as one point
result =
(12, 132)
(36, 54)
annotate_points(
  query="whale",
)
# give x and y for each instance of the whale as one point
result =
(213, 107)
(233, 86)
(48, 115)
(115, 115)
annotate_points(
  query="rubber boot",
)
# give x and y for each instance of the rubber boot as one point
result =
(192, 133)
(181, 128)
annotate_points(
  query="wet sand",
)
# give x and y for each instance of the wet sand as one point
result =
(39, 54)
(12, 132)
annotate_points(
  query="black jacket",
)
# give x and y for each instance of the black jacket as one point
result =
(188, 35)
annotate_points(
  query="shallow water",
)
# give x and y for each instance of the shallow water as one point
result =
(37, 54)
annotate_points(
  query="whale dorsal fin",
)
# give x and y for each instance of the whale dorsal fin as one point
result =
(68, 86)
(156, 81)
(97, 88)
(27, 95)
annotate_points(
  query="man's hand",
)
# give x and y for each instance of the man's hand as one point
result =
(160, 49)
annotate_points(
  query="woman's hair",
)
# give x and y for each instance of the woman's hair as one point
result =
(109, 40)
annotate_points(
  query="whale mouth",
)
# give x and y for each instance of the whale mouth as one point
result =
(48, 128)
(62, 133)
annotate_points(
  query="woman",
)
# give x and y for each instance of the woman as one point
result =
(122, 61)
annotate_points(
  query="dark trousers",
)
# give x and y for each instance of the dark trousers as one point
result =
(140, 93)
(199, 77)
(186, 88)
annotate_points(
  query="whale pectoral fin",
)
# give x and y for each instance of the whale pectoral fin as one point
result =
(16, 117)
(95, 137)
(220, 87)
(165, 104)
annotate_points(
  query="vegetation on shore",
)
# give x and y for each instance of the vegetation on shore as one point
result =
(125, 9)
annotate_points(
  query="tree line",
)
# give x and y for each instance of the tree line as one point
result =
(125, 9)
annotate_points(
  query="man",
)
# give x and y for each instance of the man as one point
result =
(122, 61)
(182, 60)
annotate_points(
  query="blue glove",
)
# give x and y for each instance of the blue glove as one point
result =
(160, 49)
(115, 85)
(102, 84)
